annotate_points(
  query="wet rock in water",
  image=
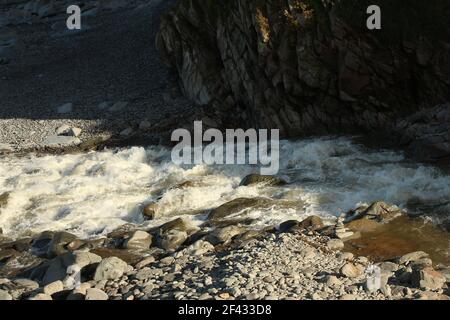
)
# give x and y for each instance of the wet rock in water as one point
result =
(149, 211)
(59, 243)
(176, 224)
(110, 269)
(363, 225)
(138, 240)
(4, 295)
(428, 279)
(335, 244)
(238, 205)
(224, 235)
(311, 223)
(411, 257)
(352, 271)
(4, 199)
(252, 179)
(379, 211)
(96, 294)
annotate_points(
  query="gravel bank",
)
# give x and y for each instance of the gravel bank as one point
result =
(109, 73)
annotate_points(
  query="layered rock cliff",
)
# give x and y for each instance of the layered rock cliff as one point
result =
(312, 67)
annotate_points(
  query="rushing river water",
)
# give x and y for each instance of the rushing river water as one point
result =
(93, 193)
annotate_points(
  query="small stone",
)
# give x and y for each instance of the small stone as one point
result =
(143, 263)
(224, 295)
(96, 294)
(348, 297)
(54, 287)
(62, 129)
(333, 281)
(335, 244)
(348, 256)
(351, 271)
(74, 132)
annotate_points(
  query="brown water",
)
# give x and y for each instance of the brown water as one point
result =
(401, 236)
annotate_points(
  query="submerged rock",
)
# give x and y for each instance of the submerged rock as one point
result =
(4, 199)
(378, 211)
(149, 211)
(59, 242)
(252, 179)
(238, 205)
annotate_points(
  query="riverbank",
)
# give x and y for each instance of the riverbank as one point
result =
(295, 263)
(62, 89)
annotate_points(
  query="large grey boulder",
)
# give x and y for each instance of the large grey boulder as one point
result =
(110, 269)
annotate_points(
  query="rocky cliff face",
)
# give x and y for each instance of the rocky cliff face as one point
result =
(312, 67)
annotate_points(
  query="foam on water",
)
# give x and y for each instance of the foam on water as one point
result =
(94, 193)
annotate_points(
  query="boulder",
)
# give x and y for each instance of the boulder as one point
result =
(428, 279)
(59, 242)
(224, 235)
(411, 257)
(172, 239)
(56, 269)
(110, 269)
(238, 205)
(4, 199)
(149, 211)
(378, 211)
(138, 240)
(311, 223)
(53, 287)
(265, 180)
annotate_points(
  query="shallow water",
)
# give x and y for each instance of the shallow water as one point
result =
(91, 194)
